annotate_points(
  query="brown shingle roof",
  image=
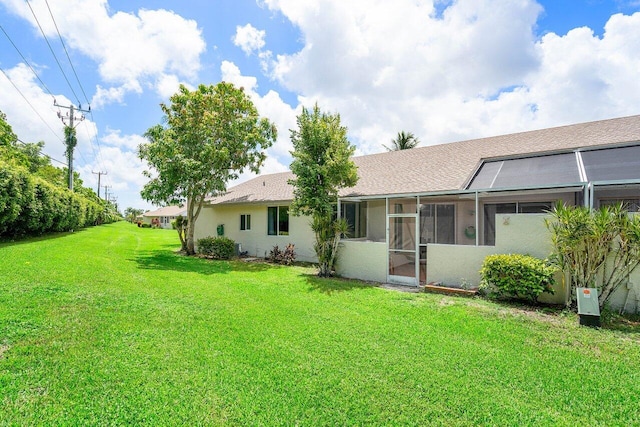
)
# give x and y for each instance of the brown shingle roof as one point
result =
(444, 167)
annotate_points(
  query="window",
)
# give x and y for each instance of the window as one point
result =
(245, 222)
(356, 216)
(278, 220)
(437, 223)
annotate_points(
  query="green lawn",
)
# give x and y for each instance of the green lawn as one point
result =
(110, 326)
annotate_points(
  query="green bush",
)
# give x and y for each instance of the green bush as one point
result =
(219, 247)
(30, 205)
(517, 276)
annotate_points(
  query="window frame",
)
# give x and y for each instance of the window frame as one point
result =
(245, 222)
(277, 224)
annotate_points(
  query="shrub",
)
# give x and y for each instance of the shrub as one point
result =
(286, 256)
(598, 248)
(517, 276)
(30, 205)
(145, 225)
(219, 247)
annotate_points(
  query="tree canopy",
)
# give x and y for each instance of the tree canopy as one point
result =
(403, 141)
(322, 165)
(209, 137)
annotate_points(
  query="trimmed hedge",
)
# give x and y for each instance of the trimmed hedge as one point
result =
(216, 247)
(29, 205)
(517, 276)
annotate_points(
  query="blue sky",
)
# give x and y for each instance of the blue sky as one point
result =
(444, 70)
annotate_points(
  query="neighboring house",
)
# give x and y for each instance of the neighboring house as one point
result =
(433, 213)
(164, 216)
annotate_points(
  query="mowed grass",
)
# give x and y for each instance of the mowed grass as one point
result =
(109, 326)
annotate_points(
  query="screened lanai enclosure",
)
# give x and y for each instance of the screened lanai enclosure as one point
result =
(410, 225)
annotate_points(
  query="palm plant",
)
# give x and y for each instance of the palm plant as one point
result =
(596, 248)
(403, 141)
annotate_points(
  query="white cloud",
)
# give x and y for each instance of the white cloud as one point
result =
(114, 138)
(168, 84)
(104, 96)
(475, 68)
(249, 38)
(272, 107)
(36, 119)
(115, 153)
(131, 50)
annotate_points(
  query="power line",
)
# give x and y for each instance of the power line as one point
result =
(26, 62)
(99, 158)
(43, 154)
(99, 175)
(96, 139)
(52, 52)
(67, 53)
(30, 105)
(44, 84)
(71, 140)
(98, 154)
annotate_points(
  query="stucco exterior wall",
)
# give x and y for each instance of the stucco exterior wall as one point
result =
(364, 260)
(377, 220)
(453, 264)
(515, 233)
(256, 241)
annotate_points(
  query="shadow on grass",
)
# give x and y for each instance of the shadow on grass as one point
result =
(14, 241)
(176, 261)
(173, 261)
(330, 285)
(254, 266)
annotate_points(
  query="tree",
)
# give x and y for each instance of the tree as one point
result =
(403, 141)
(7, 137)
(17, 152)
(322, 165)
(130, 214)
(211, 135)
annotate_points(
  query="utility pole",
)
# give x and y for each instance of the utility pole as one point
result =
(99, 174)
(70, 133)
(106, 192)
(114, 201)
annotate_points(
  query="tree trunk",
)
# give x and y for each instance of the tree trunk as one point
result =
(190, 243)
(194, 204)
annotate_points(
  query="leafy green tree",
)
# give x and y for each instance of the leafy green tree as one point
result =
(7, 137)
(21, 154)
(403, 141)
(130, 214)
(211, 135)
(322, 165)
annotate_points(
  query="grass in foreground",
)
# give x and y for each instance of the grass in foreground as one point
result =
(110, 326)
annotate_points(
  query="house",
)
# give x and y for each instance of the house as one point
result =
(433, 213)
(162, 217)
